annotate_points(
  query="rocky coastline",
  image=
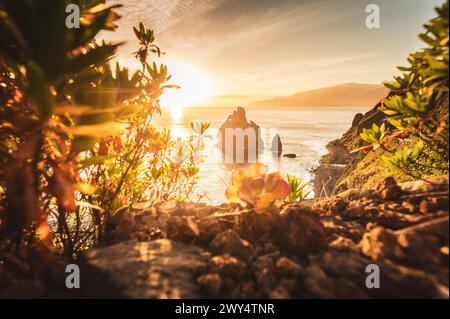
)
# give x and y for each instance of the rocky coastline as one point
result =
(315, 249)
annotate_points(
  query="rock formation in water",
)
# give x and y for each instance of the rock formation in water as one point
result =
(276, 147)
(246, 136)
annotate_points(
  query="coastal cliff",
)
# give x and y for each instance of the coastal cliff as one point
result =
(340, 169)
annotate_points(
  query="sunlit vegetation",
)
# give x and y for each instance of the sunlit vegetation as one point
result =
(414, 136)
(300, 190)
(77, 139)
(256, 188)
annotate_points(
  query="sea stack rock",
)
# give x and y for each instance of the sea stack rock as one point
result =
(277, 147)
(240, 140)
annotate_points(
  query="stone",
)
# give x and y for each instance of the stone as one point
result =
(288, 268)
(344, 243)
(388, 189)
(212, 283)
(182, 229)
(334, 205)
(358, 117)
(431, 184)
(410, 207)
(301, 231)
(353, 194)
(280, 292)
(155, 269)
(433, 204)
(332, 274)
(229, 242)
(381, 243)
(422, 243)
(227, 266)
(355, 211)
(209, 227)
(259, 228)
(264, 270)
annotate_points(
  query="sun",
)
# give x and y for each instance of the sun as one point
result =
(195, 88)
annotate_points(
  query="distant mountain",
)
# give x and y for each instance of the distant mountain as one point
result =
(348, 94)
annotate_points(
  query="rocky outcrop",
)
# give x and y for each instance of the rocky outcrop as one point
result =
(315, 249)
(339, 162)
(243, 138)
(318, 249)
(341, 169)
(147, 269)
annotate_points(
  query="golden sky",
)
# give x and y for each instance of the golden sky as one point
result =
(238, 51)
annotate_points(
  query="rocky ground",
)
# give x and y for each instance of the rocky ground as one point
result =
(316, 249)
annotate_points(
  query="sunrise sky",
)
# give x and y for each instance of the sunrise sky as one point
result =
(228, 52)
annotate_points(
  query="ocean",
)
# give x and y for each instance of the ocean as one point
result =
(304, 131)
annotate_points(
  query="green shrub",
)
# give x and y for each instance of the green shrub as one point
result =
(76, 138)
(417, 109)
(299, 189)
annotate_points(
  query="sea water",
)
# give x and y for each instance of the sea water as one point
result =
(304, 131)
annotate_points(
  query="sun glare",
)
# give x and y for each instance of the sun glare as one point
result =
(196, 87)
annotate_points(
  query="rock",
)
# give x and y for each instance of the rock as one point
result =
(334, 205)
(264, 270)
(344, 243)
(251, 146)
(318, 284)
(355, 211)
(358, 117)
(288, 268)
(280, 292)
(276, 146)
(176, 208)
(227, 266)
(433, 204)
(212, 283)
(422, 243)
(182, 229)
(388, 189)
(209, 227)
(381, 243)
(258, 228)
(229, 242)
(431, 184)
(332, 274)
(131, 269)
(358, 194)
(410, 207)
(248, 290)
(290, 155)
(301, 231)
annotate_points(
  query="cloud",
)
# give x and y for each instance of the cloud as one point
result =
(253, 47)
(245, 25)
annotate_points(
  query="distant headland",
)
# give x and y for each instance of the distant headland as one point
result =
(347, 94)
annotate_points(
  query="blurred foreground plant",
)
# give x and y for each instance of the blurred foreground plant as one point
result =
(77, 140)
(256, 188)
(38, 59)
